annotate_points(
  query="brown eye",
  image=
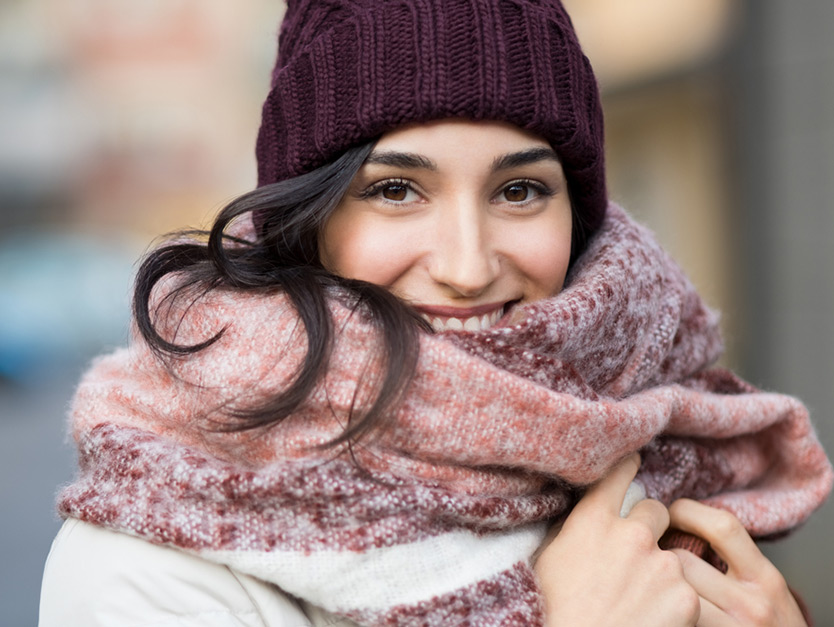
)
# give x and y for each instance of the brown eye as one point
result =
(516, 192)
(396, 193)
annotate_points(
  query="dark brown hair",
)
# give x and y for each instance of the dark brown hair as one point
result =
(289, 216)
(285, 257)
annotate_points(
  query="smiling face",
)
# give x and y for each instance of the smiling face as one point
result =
(460, 219)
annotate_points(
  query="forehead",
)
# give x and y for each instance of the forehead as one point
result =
(456, 134)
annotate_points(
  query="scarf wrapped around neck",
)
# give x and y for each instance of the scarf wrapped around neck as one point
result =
(434, 520)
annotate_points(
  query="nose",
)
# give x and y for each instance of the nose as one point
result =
(464, 257)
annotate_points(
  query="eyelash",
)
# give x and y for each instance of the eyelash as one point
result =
(375, 190)
(538, 187)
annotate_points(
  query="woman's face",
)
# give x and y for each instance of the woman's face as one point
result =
(462, 220)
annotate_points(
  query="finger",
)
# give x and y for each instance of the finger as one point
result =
(653, 514)
(725, 534)
(712, 615)
(709, 582)
(727, 599)
(610, 491)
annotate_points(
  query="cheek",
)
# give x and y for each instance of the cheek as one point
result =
(546, 271)
(364, 250)
(542, 257)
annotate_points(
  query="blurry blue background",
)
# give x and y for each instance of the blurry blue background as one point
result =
(121, 120)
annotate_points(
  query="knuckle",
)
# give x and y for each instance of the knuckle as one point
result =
(760, 605)
(670, 565)
(658, 510)
(726, 525)
(759, 612)
(684, 557)
(639, 536)
(771, 580)
(689, 603)
(685, 599)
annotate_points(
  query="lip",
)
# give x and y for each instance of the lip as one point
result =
(460, 312)
(478, 318)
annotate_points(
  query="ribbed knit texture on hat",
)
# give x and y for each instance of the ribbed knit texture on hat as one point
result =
(349, 70)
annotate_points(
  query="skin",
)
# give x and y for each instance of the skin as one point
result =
(753, 592)
(460, 219)
(601, 569)
(465, 220)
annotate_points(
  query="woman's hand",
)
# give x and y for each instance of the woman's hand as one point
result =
(753, 592)
(601, 569)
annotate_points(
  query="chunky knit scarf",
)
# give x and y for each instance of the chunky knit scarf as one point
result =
(434, 521)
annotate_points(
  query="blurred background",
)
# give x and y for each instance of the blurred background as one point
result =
(122, 120)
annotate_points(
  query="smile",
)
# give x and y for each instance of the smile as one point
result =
(454, 319)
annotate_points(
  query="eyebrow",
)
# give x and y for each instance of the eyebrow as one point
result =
(524, 157)
(397, 159)
(413, 161)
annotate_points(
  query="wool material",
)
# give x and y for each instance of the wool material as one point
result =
(349, 70)
(434, 520)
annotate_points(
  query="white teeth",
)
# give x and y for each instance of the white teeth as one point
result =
(475, 323)
(454, 324)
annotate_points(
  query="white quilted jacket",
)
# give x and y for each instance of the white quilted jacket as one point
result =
(97, 578)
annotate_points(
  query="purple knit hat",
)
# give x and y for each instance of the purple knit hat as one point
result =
(349, 70)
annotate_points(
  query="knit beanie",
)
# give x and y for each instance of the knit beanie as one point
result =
(350, 70)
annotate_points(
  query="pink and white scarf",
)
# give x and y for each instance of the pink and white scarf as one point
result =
(434, 521)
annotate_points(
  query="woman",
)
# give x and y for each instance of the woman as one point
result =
(426, 337)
